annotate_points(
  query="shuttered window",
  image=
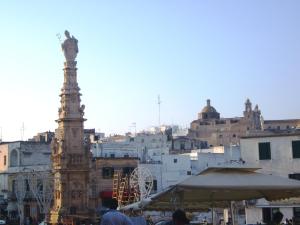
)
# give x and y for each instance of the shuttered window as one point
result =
(296, 149)
(264, 151)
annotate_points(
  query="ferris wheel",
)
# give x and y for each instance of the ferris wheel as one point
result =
(141, 181)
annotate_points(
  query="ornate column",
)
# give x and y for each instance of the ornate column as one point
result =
(70, 152)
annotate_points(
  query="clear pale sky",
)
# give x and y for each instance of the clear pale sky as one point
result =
(131, 51)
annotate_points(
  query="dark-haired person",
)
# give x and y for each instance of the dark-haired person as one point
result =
(114, 217)
(277, 218)
(179, 218)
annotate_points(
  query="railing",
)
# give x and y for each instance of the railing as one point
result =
(151, 162)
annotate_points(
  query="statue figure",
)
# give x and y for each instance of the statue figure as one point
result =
(81, 109)
(70, 47)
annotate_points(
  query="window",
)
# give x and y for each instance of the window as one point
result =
(220, 122)
(27, 188)
(127, 170)
(264, 151)
(4, 160)
(189, 173)
(296, 149)
(268, 213)
(27, 210)
(112, 155)
(154, 185)
(13, 158)
(107, 172)
(13, 187)
(182, 146)
(175, 160)
(297, 212)
(295, 176)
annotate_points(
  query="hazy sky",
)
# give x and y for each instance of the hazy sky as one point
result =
(131, 51)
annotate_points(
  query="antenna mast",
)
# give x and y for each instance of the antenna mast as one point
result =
(133, 124)
(22, 131)
(158, 102)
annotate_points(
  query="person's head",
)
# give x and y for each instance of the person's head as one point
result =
(111, 203)
(277, 217)
(179, 217)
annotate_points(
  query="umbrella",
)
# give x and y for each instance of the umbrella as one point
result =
(218, 186)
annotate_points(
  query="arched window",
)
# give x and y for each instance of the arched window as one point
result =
(14, 158)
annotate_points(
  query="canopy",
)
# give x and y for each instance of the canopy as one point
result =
(216, 187)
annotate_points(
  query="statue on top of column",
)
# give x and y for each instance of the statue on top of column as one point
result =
(70, 47)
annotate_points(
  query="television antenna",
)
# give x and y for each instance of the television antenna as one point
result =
(133, 125)
(22, 131)
(158, 102)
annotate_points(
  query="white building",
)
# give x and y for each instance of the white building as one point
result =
(16, 157)
(202, 159)
(114, 149)
(171, 170)
(146, 146)
(276, 154)
(152, 149)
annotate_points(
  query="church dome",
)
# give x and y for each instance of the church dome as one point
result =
(208, 112)
(208, 108)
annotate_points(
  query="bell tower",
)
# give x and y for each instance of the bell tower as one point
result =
(248, 108)
(70, 153)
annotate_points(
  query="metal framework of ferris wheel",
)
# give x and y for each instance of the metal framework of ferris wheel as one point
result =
(132, 188)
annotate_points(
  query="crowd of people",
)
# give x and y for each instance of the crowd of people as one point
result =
(115, 217)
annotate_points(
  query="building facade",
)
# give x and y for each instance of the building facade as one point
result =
(169, 170)
(214, 129)
(15, 158)
(184, 144)
(101, 181)
(220, 156)
(145, 146)
(276, 154)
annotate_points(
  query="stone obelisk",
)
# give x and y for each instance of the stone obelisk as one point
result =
(70, 152)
